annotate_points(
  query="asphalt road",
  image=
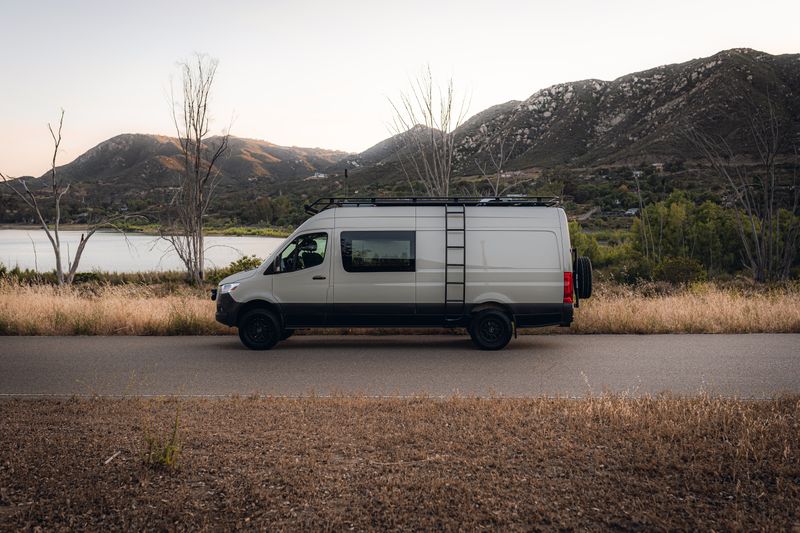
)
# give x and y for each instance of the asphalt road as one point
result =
(754, 366)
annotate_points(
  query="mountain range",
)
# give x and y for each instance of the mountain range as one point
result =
(634, 119)
(637, 118)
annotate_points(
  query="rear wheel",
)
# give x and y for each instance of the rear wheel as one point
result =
(490, 329)
(583, 277)
(259, 329)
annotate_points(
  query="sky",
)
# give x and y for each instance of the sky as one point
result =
(321, 73)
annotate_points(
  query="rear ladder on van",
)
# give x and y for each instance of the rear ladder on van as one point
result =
(455, 263)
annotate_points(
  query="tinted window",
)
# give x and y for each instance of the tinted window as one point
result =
(378, 251)
(305, 251)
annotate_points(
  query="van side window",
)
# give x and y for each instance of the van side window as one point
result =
(379, 251)
(305, 251)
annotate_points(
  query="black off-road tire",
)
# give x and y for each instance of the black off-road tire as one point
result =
(583, 277)
(491, 329)
(259, 329)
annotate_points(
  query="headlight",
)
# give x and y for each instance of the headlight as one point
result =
(228, 287)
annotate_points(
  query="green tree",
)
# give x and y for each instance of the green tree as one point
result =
(584, 243)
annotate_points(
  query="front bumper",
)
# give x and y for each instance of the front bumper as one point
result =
(227, 309)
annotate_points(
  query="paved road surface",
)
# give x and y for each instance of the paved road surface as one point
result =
(569, 365)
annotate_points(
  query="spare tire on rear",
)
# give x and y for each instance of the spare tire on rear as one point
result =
(583, 277)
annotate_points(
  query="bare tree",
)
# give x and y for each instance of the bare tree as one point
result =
(768, 233)
(46, 205)
(496, 152)
(648, 242)
(200, 154)
(425, 117)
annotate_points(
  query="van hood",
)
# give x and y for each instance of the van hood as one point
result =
(239, 276)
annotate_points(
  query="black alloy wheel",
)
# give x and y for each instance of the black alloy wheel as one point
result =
(259, 329)
(491, 329)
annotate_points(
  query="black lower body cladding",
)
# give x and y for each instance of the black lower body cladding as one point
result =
(394, 315)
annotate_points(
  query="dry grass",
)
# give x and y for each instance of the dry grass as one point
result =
(701, 308)
(316, 464)
(145, 310)
(105, 310)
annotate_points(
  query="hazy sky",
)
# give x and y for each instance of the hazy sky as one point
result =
(317, 73)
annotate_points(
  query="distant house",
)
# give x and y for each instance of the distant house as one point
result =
(659, 167)
(632, 212)
(638, 173)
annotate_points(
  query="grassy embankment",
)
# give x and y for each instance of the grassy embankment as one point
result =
(174, 309)
(233, 231)
(602, 463)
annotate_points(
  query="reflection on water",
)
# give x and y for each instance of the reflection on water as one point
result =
(113, 252)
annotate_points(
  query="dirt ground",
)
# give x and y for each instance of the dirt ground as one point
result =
(400, 464)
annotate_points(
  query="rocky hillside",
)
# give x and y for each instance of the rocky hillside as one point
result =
(638, 117)
(632, 119)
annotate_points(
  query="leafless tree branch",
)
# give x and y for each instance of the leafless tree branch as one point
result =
(769, 242)
(51, 223)
(201, 157)
(424, 119)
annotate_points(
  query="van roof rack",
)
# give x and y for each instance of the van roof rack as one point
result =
(322, 204)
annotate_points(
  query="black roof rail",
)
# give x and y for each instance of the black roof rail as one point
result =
(322, 204)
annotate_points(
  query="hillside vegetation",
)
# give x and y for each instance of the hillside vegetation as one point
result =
(607, 148)
(575, 130)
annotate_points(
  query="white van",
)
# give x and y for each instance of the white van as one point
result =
(487, 264)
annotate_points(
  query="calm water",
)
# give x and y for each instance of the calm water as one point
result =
(110, 252)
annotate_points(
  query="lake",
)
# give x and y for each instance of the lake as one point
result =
(113, 252)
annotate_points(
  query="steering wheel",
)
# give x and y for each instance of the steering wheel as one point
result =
(290, 263)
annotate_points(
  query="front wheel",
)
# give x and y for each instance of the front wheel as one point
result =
(259, 329)
(490, 329)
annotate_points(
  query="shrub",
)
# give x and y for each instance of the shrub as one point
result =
(161, 451)
(244, 263)
(679, 270)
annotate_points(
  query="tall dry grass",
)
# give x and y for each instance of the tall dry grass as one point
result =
(701, 308)
(104, 310)
(31, 309)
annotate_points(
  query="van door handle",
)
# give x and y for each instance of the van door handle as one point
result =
(319, 277)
